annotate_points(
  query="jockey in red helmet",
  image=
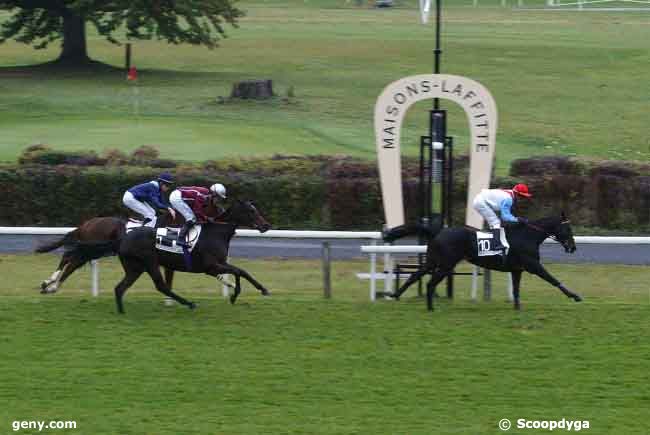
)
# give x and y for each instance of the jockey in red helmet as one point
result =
(495, 205)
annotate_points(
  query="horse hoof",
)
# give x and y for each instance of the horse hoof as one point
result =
(266, 293)
(577, 298)
(233, 298)
(391, 297)
(192, 306)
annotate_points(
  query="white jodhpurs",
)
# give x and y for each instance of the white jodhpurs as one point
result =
(176, 200)
(142, 208)
(486, 211)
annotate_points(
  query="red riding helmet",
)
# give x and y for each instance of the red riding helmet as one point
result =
(521, 189)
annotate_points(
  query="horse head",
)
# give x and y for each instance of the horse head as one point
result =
(245, 213)
(563, 233)
(557, 228)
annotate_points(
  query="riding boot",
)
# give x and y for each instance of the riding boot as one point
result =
(146, 221)
(183, 233)
(496, 240)
(498, 246)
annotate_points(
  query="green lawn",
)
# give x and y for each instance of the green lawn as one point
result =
(565, 83)
(296, 363)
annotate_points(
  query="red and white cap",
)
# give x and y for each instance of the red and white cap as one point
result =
(521, 189)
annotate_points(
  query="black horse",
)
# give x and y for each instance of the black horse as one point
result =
(79, 243)
(138, 254)
(447, 247)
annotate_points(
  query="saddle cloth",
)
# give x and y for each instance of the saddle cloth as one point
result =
(167, 239)
(485, 244)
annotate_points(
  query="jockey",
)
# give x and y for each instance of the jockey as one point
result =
(142, 197)
(492, 201)
(191, 202)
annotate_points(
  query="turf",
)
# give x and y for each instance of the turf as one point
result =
(297, 363)
(565, 83)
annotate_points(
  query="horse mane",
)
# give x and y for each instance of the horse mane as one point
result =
(549, 221)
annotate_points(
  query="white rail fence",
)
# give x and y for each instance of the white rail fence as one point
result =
(388, 276)
(374, 237)
(371, 236)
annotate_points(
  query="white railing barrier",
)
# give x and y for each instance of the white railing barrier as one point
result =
(372, 236)
(373, 250)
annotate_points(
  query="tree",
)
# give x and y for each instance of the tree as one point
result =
(40, 22)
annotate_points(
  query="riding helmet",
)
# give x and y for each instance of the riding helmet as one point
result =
(218, 189)
(521, 189)
(166, 178)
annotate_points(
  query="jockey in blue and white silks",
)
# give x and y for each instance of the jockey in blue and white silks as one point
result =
(144, 197)
(495, 205)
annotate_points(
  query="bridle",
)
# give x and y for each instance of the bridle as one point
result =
(547, 233)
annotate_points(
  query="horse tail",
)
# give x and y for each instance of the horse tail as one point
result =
(428, 231)
(67, 240)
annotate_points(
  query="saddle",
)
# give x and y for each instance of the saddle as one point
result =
(491, 243)
(167, 239)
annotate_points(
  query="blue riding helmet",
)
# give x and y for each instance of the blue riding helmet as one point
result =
(166, 178)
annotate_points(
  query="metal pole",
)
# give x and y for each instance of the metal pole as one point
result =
(474, 282)
(94, 269)
(327, 284)
(127, 56)
(487, 284)
(437, 52)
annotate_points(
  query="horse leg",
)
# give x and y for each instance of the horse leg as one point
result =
(161, 286)
(74, 264)
(238, 274)
(55, 275)
(169, 277)
(412, 279)
(132, 273)
(516, 281)
(536, 268)
(169, 280)
(436, 277)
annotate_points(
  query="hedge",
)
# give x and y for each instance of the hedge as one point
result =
(319, 192)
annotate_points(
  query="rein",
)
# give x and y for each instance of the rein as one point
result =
(546, 233)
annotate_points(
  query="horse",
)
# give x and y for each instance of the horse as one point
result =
(138, 254)
(98, 230)
(447, 247)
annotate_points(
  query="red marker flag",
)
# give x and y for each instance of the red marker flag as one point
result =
(132, 75)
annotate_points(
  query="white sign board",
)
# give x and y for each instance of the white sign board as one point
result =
(390, 109)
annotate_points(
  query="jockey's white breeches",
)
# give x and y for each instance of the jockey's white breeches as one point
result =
(482, 207)
(176, 200)
(142, 208)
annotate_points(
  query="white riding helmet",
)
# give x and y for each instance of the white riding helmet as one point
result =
(218, 189)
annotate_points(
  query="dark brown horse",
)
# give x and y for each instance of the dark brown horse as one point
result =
(98, 230)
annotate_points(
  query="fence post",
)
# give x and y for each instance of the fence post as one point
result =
(94, 272)
(487, 284)
(327, 282)
(474, 282)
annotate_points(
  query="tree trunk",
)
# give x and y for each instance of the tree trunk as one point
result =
(255, 89)
(74, 49)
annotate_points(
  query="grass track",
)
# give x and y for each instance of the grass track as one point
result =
(295, 363)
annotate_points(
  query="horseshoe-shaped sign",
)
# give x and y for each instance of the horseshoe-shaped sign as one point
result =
(390, 109)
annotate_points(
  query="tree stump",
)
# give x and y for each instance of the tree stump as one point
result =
(253, 89)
